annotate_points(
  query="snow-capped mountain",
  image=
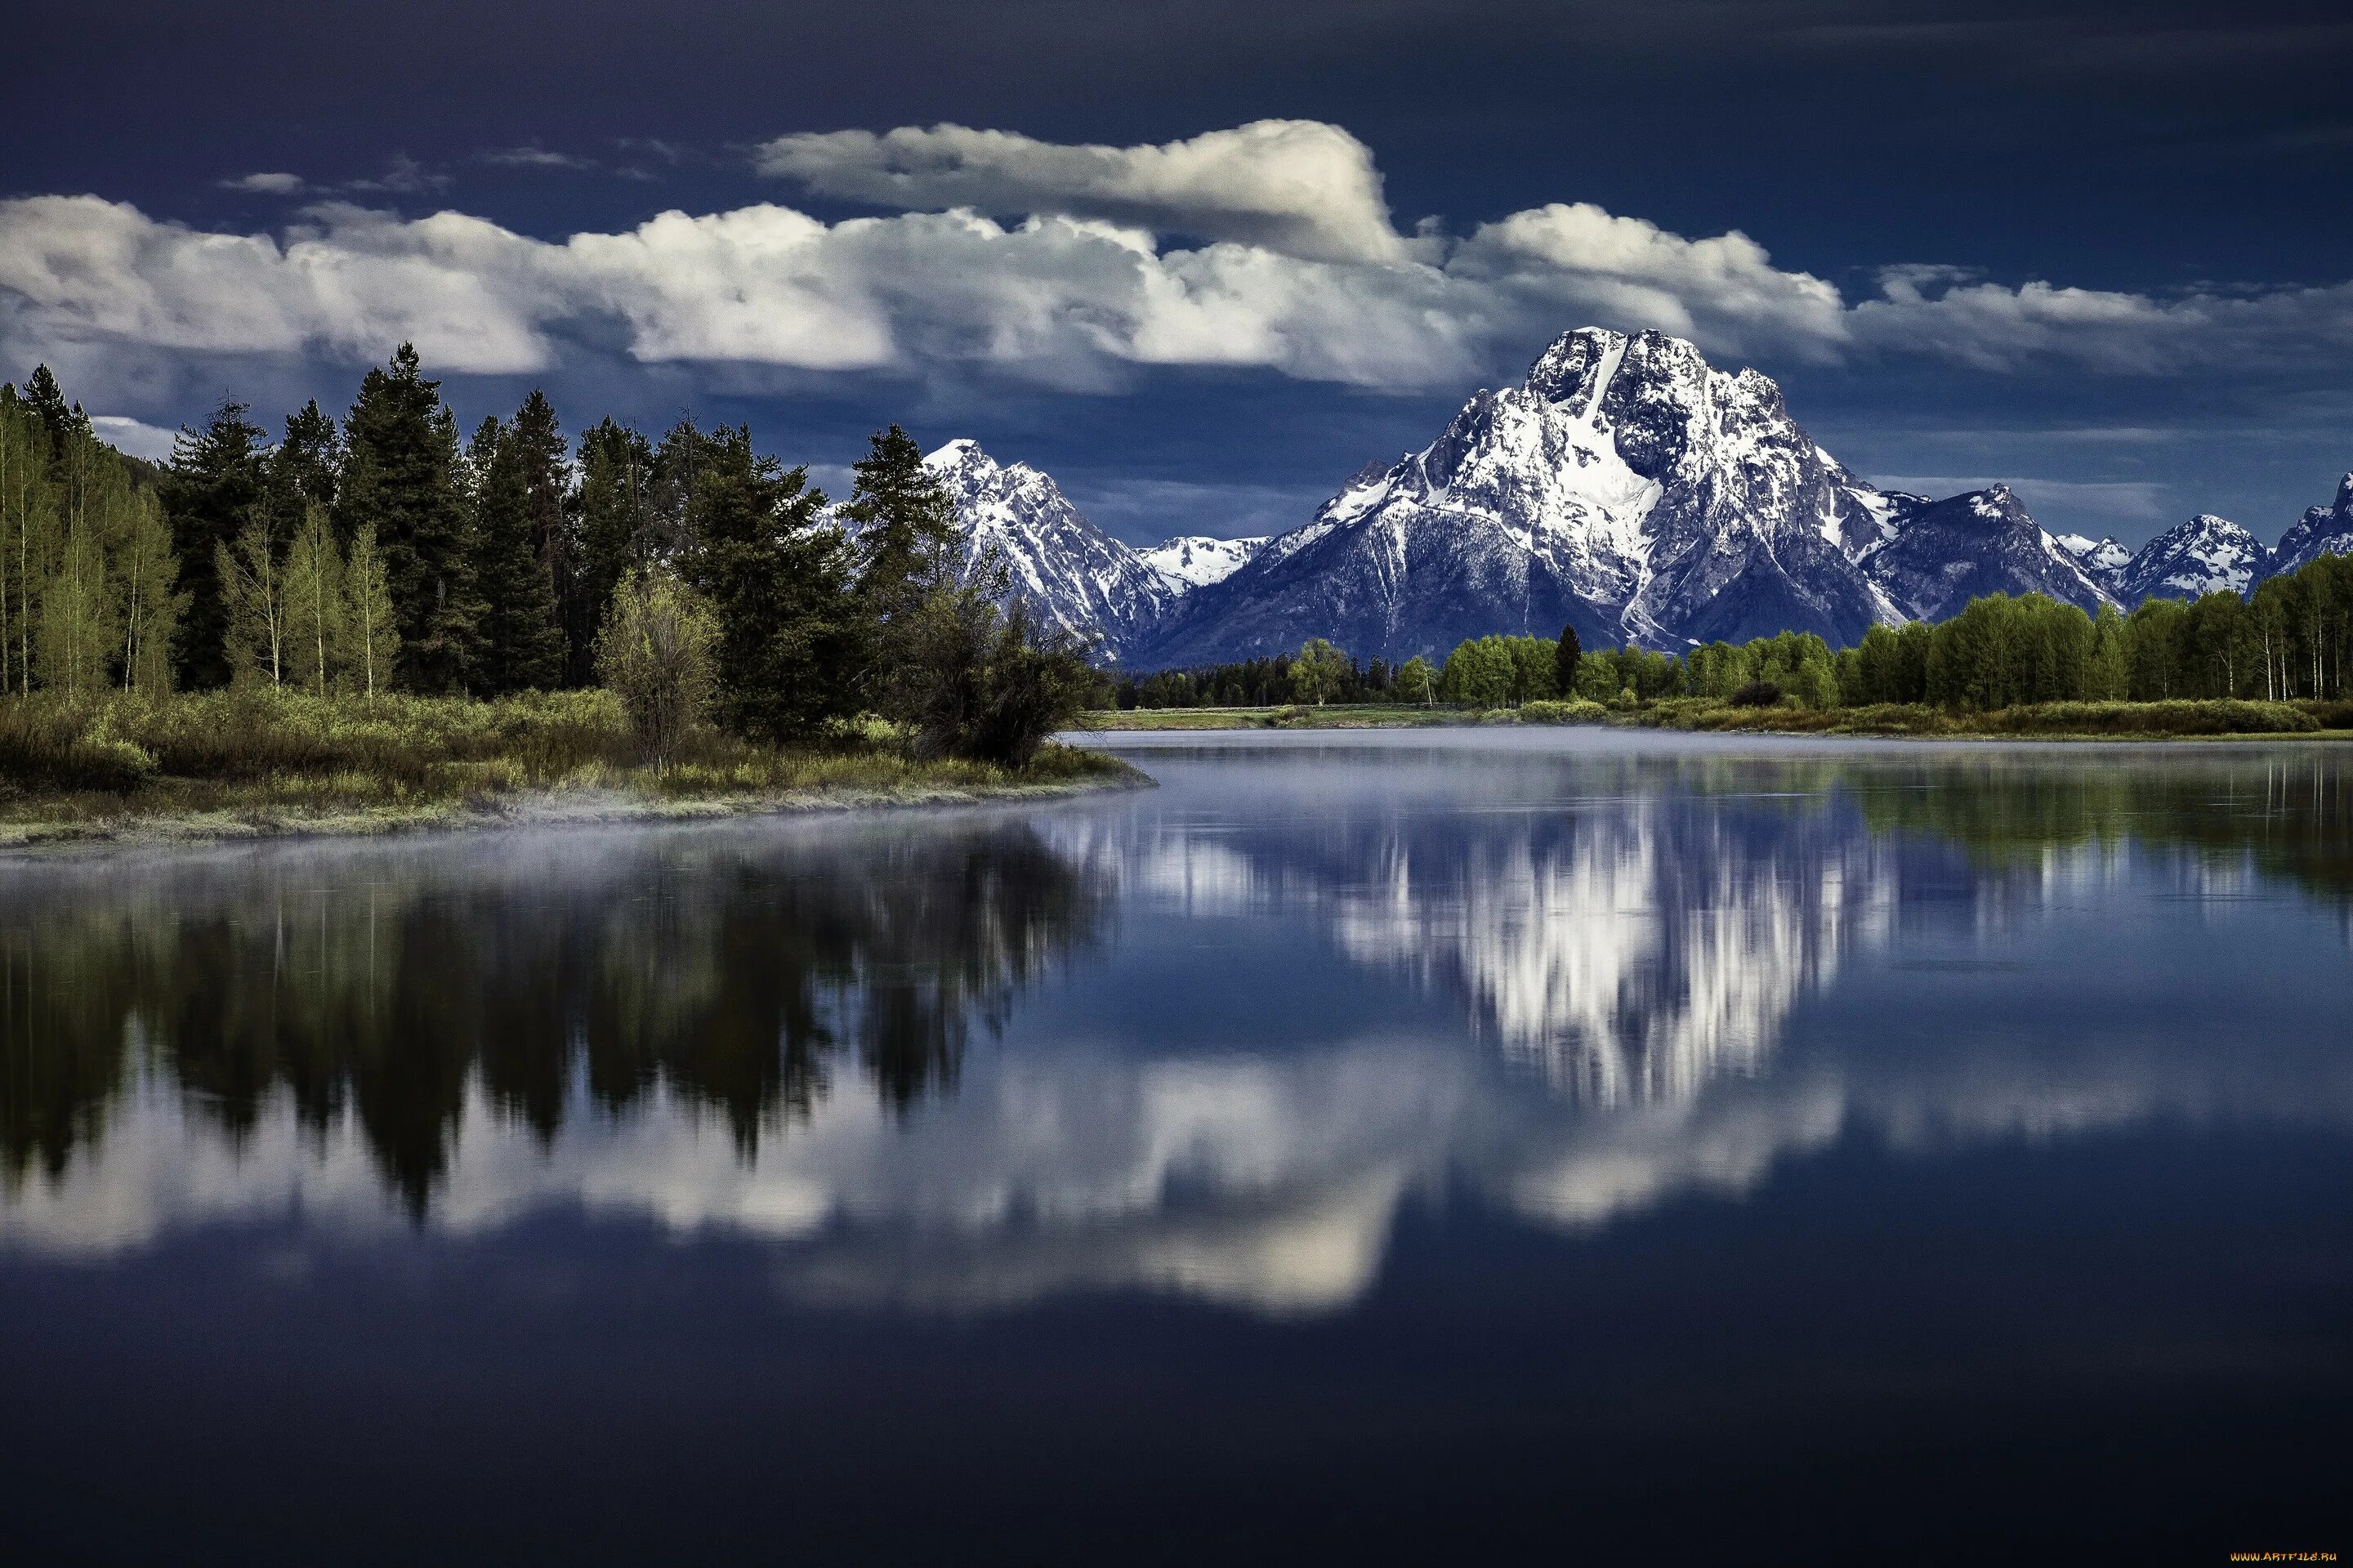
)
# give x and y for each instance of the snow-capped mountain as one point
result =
(2104, 560)
(2322, 531)
(1077, 576)
(2205, 554)
(1626, 488)
(1196, 560)
(1632, 490)
(1942, 554)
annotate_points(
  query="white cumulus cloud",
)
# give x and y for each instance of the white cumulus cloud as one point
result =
(136, 437)
(1298, 186)
(1268, 245)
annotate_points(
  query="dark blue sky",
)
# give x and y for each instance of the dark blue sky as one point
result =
(2177, 175)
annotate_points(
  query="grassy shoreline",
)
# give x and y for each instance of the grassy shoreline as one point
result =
(2199, 720)
(249, 766)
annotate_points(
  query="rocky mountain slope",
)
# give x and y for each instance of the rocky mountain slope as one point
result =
(1632, 490)
(1626, 488)
(2321, 531)
(1080, 578)
(1939, 555)
(2205, 554)
(1196, 561)
(2104, 560)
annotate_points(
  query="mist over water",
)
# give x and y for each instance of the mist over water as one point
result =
(1462, 1134)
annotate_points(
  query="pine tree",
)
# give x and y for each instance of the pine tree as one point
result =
(552, 515)
(401, 479)
(1567, 655)
(615, 529)
(209, 493)
(370, 627)
(314, 604)
(907, 546)
(778, 581)
(520, 645)
(46, 399)
(300, 472)
(253, 590)
(152, 600)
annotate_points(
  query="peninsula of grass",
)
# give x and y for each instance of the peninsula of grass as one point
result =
(240, 763)
(2179, 720)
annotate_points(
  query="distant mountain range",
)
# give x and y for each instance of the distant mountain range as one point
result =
(1626, 488)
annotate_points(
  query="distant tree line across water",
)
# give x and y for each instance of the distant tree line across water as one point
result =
(2288, 642)
(394, 552)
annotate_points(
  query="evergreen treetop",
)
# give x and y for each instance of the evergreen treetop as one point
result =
(217, 475)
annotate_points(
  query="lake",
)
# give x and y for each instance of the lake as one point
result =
(1582, 1143)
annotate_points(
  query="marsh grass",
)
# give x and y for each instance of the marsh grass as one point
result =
(2121, 720)
(280, 756)
(2153, 721)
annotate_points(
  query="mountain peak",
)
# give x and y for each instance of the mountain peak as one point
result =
(962, 452)
(2201, 554)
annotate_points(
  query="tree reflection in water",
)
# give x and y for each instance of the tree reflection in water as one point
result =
(736, 971)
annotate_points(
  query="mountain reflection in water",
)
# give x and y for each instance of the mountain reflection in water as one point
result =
(1239, 1020)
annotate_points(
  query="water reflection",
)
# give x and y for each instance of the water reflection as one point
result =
(736, 975)
(1244, 1019)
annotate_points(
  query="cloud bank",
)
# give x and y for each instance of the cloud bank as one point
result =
(1268, 246)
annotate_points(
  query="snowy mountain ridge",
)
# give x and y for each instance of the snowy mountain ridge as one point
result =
(1196, 560)
(1632, 490)
(1626, 488)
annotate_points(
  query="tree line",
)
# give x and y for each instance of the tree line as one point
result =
(391, 552)
(2288, 642)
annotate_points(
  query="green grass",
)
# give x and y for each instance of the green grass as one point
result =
(262, 760)
(2168, 720)
(2152, 721)
(1351, 716)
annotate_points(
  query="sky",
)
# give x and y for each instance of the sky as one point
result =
(1203, 261)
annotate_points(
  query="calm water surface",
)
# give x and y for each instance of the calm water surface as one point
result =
(1583, 1144)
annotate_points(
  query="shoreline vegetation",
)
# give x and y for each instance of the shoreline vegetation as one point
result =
(257, 763)
(381, 625)
(2273, 664)
(2183, 719)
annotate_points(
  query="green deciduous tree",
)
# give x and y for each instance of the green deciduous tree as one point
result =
(28, 532)
(253, 590)
(654, 652)
(1317, 672)
(1479, 672)
(77, 606)
(316, 634)
(152, 601)
(1416, 683)
(371, 628)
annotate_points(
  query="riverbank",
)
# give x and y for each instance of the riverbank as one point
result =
(2045, 721)
(260, 765)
